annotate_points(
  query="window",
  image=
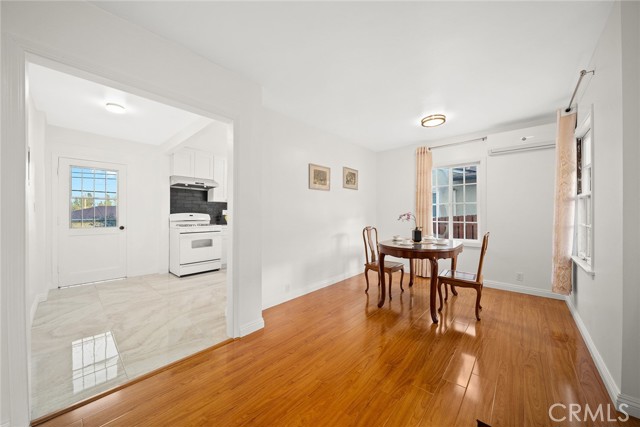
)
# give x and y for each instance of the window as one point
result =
(94, 198)
(455, 202)
(584, 194)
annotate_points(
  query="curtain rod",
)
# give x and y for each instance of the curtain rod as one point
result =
(457, 143)
(582, 74)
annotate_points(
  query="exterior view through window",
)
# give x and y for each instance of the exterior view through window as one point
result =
(455, 202)
(94, 198)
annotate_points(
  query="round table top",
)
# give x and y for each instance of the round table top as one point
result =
(404, 248)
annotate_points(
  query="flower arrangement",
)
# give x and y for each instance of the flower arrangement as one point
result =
(408, 217)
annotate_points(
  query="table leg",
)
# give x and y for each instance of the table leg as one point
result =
(434, 285)
(454, 262)
(381, 275)
(411, 273)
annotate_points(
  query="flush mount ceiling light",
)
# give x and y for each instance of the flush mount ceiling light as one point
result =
(433, 120)
(112, 107)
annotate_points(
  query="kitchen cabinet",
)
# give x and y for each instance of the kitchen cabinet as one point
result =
(192, 163)
(219, 194)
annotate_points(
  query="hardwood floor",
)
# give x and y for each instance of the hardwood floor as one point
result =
(332, 358)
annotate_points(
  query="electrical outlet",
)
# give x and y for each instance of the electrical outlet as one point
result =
(520, 276)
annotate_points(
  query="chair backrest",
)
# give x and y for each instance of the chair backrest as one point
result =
(483, 251)
(370, 235)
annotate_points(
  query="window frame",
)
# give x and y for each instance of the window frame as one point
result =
(578, 255)
(480, 205)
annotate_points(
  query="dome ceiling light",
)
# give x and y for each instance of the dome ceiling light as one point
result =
(112, 107)
(433, 120)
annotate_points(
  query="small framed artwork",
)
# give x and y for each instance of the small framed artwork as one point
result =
(319, 177)
(349, 178)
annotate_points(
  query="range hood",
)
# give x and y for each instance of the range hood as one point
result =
(189, 183)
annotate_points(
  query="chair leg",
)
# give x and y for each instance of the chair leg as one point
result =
(446, 292)
(440, 293)
(479, 292)
(401, 278)
(453, 290)
(390, 278)
(366, 276)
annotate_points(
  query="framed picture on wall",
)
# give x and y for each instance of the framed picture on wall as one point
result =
(319, 177)
(349, 178)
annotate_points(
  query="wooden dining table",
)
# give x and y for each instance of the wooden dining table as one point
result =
(432, 251)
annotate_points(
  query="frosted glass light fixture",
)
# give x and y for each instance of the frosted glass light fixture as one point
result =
(433, 120)
(112, 107)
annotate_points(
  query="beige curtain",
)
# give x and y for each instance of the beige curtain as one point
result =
(564, 206)
(423, 202)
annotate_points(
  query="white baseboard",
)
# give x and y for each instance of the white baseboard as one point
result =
(633, 404)
(251, 327)
(522, 289)
(298, 292)
(607, 378)
(34, 306)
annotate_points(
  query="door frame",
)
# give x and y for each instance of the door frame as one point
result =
(57, 208)
(15, 54)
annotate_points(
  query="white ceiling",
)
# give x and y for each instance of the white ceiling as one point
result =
(75, 103)
(368, 71)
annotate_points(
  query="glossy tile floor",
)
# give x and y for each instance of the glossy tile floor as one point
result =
(90, 338)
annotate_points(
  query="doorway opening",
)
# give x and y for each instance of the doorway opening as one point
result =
(100, 168)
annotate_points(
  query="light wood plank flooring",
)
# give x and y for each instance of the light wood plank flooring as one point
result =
(332, 358)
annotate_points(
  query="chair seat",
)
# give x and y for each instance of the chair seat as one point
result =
(388, 265)
(458, 276)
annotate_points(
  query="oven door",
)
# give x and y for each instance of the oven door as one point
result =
(200, 247)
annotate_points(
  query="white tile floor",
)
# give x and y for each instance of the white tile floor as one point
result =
(90, 338)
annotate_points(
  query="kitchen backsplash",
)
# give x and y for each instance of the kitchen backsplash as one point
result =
(193, 201)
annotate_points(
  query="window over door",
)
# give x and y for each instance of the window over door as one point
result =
(455, 202)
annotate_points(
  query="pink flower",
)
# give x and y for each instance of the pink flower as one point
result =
(408, 217)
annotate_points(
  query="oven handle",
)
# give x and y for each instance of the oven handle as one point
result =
(198, 232)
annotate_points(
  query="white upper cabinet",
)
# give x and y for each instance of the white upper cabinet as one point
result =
(182, 163)
(203, 165)
(219, 194)
(192, 163)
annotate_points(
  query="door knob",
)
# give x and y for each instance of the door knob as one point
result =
(122, 227)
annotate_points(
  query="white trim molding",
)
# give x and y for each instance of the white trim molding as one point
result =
(633, 404)
(607, 378)
(13, 221)
(288, 296)
(42, 297)
(522, 289)
(251, 327)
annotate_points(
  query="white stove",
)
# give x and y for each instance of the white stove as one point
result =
(195, 245)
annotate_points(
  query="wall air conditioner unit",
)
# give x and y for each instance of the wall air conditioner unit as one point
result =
(534, 146)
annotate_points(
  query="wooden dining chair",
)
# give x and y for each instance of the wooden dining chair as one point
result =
(465, 280)
(370, 235)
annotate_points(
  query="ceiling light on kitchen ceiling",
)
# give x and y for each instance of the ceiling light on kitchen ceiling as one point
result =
(433, 120)
(112, 107)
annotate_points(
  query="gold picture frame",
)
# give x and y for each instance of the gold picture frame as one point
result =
(350, 178)
(319, 177)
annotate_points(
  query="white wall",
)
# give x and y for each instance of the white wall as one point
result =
(630, 386)
(606, 305)
(147, 194)
(515, 192)
(311, 238)
(598, 300)
(37, 285)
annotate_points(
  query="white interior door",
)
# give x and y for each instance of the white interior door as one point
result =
(92, 234)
